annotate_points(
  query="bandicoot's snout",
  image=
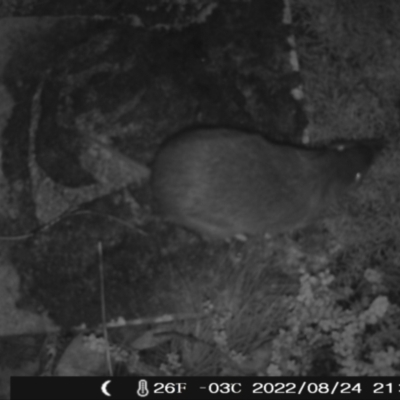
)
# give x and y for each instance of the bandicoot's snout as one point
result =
(222, 182)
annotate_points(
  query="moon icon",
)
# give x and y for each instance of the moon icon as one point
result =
(104, 388)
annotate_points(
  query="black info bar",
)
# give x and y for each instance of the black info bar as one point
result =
(185, 387)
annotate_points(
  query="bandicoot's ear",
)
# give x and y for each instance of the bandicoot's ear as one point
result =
(357, 156)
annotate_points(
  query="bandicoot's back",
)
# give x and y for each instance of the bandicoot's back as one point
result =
(222, 182)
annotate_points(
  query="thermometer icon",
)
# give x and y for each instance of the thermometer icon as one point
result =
(143, 391)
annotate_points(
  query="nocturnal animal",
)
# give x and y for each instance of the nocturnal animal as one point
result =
(222, 183)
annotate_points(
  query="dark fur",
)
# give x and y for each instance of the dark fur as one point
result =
(223, 182)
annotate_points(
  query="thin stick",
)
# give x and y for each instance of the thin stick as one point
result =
(103, 308)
